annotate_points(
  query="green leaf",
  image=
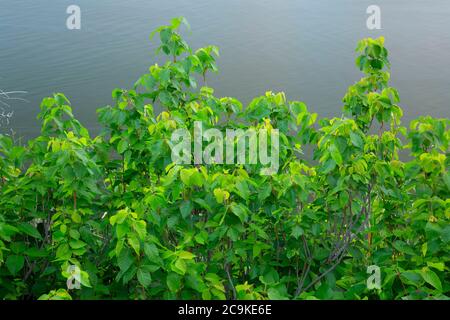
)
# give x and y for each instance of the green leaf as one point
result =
(437, 265)
(276, 294)
(446, 178)
(403, 247)
(60, 294)
(432, 278)
(186, 255)
(411, 278)
(446, 234)
(297, 232)
(122, 230)
(424, 249)
(221, 195)
(201, 237)
(269, 278)
(29, 230)
(185, 176)
(144, 277)
(173, 282)
(196, 179)
(119, 218)
(335, 154)
(122, 146)
(151, 251)
(125, 260)
(135, 243)
(74, 234)
(63, 252)
(77, 244)
(84, 279)
(6, 231)
(356, 140)
(179, 266)
(240, 211)
(203, 204)
(329, 166)
(191, 177)
(36, 253)
(140, 226)
(15, 264)
(186, 208)
(242, 189)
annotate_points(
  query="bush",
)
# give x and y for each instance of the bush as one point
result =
(111, 217)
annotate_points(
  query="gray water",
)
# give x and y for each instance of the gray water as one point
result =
(302, 47)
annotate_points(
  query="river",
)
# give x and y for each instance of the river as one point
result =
(302, 47)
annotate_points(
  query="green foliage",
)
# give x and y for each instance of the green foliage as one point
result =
(137, 226)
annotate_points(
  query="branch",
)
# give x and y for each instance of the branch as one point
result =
(325, 273)
(306, 267)
(230, 280)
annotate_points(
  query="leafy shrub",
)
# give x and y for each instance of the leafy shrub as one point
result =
(136, 226)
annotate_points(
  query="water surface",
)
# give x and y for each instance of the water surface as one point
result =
(302, 47)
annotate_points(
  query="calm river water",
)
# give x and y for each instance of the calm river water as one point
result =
(302, 47)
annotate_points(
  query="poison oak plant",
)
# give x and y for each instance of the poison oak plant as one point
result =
(116, 215)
